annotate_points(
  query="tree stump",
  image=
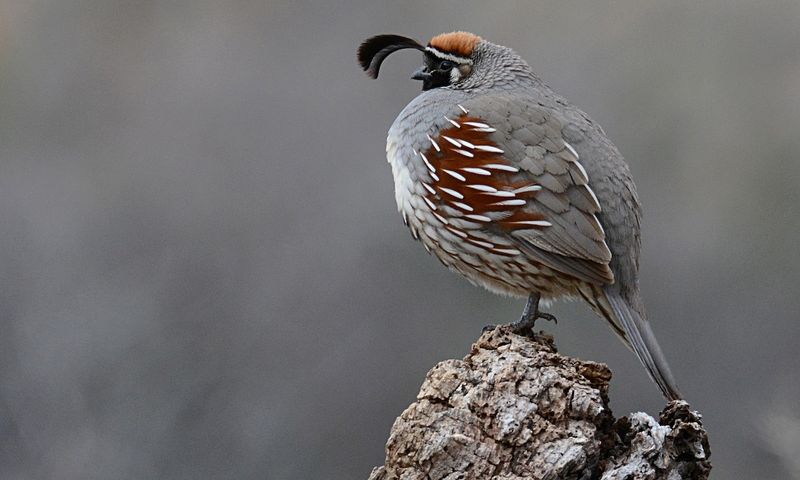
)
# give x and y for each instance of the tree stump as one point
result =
(515, 409)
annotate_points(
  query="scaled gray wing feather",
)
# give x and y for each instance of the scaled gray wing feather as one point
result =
(531, 138)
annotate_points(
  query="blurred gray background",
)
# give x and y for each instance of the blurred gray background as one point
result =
(204, 274)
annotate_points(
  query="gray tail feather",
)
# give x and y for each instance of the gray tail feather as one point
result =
(640, 338)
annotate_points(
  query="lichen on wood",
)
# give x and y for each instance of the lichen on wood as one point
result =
(516, 409)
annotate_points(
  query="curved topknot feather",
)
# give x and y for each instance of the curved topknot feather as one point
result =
(374, 51)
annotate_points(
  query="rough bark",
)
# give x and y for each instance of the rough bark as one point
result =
(514, 408)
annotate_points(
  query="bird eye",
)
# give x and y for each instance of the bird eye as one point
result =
(446, 65)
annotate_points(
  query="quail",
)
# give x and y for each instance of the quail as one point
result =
(515, 188)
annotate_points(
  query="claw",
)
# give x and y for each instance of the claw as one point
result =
(547, 316)
(524, 326)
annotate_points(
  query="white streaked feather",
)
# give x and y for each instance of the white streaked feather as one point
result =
(430, 204)
(509, 251)
(482, 188)
(480, 243)
(463, 206)
(455, 124)
(463, 109)
(480, 218)
(528, 188)
(500, 166)
(583, 170)
(594, 197)
(466, 143)
(427, 163)
(571, 150)
(464, 223)
(429, 188)
(452, 140)
(463, 152)
(452, 192)
(433, 142)
(434, 176)
(488, 148)
(533, 223)
(477, 124)
(476, 171)
(455, 175)
(596, 221)
(440, 218)
(514, 202)
(456, 231)
(501, 193)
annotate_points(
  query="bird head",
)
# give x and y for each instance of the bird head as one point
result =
(449, 59)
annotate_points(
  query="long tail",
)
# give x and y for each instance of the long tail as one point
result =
(635, 332)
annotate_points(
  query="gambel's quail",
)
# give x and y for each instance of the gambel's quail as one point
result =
(516, 189)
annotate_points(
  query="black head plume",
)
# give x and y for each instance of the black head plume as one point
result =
(374, 50)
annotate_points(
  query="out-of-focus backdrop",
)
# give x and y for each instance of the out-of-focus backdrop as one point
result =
(203, 273)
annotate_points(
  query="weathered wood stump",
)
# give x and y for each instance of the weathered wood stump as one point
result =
(516, 409)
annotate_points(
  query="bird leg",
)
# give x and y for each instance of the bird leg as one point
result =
(525, 324)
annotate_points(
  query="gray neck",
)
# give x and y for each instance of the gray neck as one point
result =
(498, 67)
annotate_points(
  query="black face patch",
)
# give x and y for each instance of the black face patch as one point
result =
(437, 70)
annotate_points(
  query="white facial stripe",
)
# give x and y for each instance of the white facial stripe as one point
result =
(447, 56)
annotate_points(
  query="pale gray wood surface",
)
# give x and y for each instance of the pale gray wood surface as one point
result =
(514, 408)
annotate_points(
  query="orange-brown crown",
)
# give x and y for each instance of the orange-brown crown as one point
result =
(455, 43)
